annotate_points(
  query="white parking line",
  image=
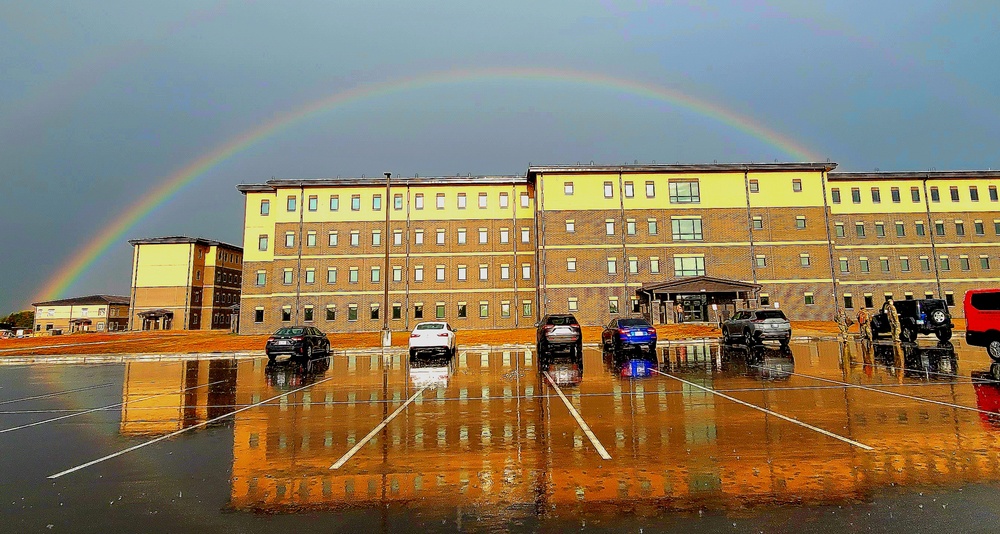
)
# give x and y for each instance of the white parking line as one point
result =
(579, 420)
(183, 430)
(357, 447)
(56, 394)
(894, 394)
(772, 413)
(92, 410)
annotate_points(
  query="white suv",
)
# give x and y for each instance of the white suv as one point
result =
(433, 336)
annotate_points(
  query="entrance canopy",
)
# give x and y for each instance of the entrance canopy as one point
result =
(694, 298)
(156, 314)
(688, 285)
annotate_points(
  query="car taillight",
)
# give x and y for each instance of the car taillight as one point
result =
(443, 334)
(758, 321)
(270, 339)
(414, 335)
(548, 327)
(574, 325)
(623, 331)
(297, 338)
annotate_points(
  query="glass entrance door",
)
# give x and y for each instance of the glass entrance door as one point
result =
(694, 307)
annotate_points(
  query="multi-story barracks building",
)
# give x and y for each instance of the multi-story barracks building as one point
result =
(610, 241)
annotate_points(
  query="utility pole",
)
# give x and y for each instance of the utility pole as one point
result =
(386, 333)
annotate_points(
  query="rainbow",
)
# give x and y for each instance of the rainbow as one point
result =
(115, 231)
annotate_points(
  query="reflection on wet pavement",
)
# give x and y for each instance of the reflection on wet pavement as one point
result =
(488, 429)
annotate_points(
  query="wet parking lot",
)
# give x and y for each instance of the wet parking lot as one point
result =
(824, 436)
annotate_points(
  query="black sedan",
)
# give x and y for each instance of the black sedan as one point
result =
(297, 341)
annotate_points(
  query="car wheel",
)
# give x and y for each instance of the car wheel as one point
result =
(747, 338)
(907, 333)
(993, 349)
(413, 354)
(938, 316)
(270, 358)
(542, 349)
(944, 334)
(309, 352)
(725, 334)
(784, 342)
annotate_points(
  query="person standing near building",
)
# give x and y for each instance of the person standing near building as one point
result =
(679, 311)
(843, 322)
(893, 315)
(864, 324)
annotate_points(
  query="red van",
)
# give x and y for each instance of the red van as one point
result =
(982, 315)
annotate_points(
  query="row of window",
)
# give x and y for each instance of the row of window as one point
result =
(440, 237)
(978, 227)
(680, 191)
(227, 278)
(309, 313)
(312, 202)
(864, 264)
(869, 299)
(935, 194)
(353, 274)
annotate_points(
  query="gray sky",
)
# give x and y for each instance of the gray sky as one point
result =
(100, 102)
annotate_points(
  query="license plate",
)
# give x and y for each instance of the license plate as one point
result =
(283, 342)
(920, 321)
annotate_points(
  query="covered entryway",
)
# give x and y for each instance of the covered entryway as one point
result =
(158, 319)
(80, 325)
(700, 299)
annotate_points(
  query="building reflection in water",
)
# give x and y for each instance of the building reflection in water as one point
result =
(489, 433)
(162, 397)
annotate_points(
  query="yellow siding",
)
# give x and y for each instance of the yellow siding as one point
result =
(163, 265)
(257, 225)
(775, 190)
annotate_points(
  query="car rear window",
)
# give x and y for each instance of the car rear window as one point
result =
(986, 301)
(633, 322)
(770, 314)
(562, 320)
(430, 326)
(289, 332)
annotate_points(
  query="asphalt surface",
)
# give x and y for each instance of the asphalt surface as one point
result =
(824, 437)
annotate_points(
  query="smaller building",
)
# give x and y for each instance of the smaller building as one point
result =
(94, 313)
(184, 283)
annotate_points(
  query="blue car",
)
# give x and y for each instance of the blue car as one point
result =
(629, 334)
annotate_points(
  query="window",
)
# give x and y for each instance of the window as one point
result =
(572, 304)
(609, 227)
(397, 202)
(633, 265)
(757, 222)
(935, 196)
(804, 260)
(848, 301)
(397, 237)
(484, 271)
(973, 193)
(876, 196)
(963, 263)
(374, 311)
(654, 265)
(879, 229)
(355, 238)
(835, 195)
(377, 202)
(979, 228)
(482, 200)
(526, 308)
(483, 236)
(609, 190)
(439, 239)
(439, 273)
(286, 276)
(838, 229)
(289, 239)
(939, 227)
(884, 264)
(261, 278)
(310, 275)
(765, 299)
(461, 236)
(258, 315)
(754, 186)
(869, 301)
(307, 313)
(925, 263)
(689, 266)
(686, 229)
(334, 202)
(332, 239)
(504, 272)
(651, 226)
(800, 222)
(859, 229)
(331, 275)
(310, 239)
(571, 264)
(397, 273)
(945, 263)
(844, 266)
(439, 310)
(809, 299)
(397, 311)
(461, 201)
(462, 273)
(355, 202)
(900, 229)
(525, 235)
(984, 262)
(996, 227)
(796, 185)
(629, 190)
(376, 238)
(290, 204)
(526, 271)
(439, 201)
(650, 190)
(376, 274)
(684, 192)
(265, 208)
(462, 310)
(856, 195)
(484, 309)
(993, 193)
(612, 304)
(504, 236)
(352, 275)
(915, 194)
(568, 188)
(954, 193)
(921, 231)
(612, 266)
(418, 237)
(286, 313)
(895, 194)
(418, 201)
(630, 227)
(570, 226)
(262, 242)
(418, 311)
(863, 263)
(525, 200)
(760, 260)
(313, 204)
(959, 228)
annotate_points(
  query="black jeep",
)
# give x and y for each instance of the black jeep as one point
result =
(916, 316)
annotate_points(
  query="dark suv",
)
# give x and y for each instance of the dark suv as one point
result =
(916, 316)
(559, 331)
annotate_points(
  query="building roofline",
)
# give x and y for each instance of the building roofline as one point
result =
(180, 239)
(912, 175)
(89, 299)
(273, 185)
(684, 168)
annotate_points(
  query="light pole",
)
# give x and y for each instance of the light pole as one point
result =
(386, 333)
